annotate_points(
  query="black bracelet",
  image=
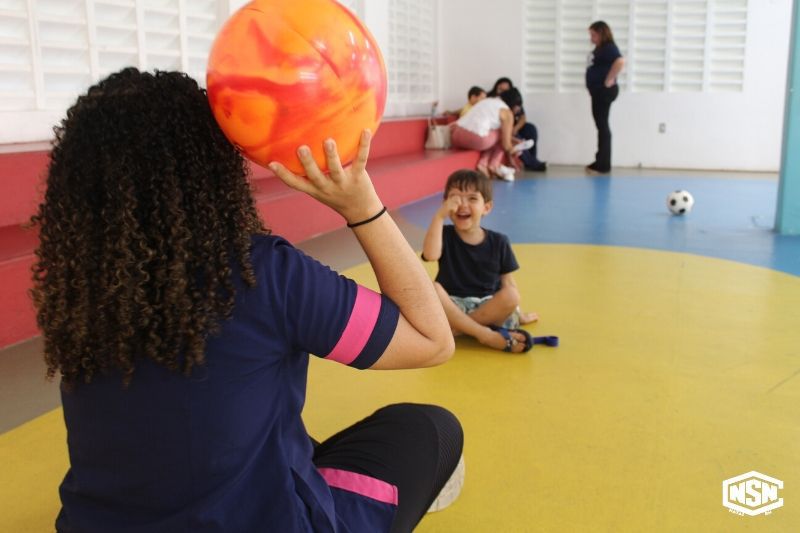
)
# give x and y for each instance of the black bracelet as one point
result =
(370, 219)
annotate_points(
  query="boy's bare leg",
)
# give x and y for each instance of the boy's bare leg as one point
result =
(462, 323)
(498, 309)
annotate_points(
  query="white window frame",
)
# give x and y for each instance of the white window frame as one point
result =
(669, 45)
(412, 64)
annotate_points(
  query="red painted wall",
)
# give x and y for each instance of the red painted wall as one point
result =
(400, 167)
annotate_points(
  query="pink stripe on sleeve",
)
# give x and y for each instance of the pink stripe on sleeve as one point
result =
(360, 484)
(360, 326)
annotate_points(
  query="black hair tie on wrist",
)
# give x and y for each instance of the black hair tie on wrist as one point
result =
(370, 219)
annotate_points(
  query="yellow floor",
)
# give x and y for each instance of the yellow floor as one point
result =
(674, 373)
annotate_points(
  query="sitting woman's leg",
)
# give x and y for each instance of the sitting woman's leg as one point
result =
(497, 157)
(482, 165)
(414, 447)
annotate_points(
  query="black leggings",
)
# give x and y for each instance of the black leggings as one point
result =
(601, 106)
(412, 446)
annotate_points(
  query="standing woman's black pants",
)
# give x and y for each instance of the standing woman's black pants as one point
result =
(601, 105)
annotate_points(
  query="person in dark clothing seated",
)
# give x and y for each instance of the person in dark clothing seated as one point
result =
(182, 332)
(522, 129)
(475, 282)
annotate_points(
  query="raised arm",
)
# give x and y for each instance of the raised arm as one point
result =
(432, 245)
(423, 336)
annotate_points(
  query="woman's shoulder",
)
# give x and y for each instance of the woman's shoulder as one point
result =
(490, 103)
(267, 238)
(271, 254)
(269, 248)
(611, 49)
(267, 241)
(495, 105)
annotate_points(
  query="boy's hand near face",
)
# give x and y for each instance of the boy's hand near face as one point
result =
(432, 245)
(449, 206)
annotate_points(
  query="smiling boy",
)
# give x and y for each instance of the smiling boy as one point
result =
(474, 282)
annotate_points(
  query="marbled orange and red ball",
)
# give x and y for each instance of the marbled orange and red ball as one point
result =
(286, 73)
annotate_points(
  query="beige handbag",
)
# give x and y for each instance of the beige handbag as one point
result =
(438, 136)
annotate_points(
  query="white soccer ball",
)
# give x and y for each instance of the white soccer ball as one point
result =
(680, 202)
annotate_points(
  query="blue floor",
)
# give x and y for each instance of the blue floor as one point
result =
(733, 218)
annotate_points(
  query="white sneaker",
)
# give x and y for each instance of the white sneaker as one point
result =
(524, 145)
(505, 173)
(451, 489)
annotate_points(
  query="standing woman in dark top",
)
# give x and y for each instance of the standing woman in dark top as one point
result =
(605, 64)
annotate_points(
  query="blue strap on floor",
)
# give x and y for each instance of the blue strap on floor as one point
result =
(550, 340)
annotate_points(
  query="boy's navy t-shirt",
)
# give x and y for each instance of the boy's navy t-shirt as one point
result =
(225, 449)
(474, 269)
(600, 61)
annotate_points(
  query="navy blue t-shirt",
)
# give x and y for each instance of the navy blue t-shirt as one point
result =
(474, 269)
(600, 61)
(225, 449)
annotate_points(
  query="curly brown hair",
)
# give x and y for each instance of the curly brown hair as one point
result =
(148, 213)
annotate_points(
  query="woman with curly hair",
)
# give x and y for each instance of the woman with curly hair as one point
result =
(181, 330)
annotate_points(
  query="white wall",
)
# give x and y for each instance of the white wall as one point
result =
(478, 44)
(703, 130)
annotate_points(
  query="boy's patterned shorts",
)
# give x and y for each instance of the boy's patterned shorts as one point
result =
(468, 304)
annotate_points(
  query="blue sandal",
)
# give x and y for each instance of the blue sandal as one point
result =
(550, 340)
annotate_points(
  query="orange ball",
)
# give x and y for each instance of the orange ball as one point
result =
(286, 73)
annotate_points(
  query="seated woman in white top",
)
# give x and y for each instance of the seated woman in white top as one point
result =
(487, 127)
